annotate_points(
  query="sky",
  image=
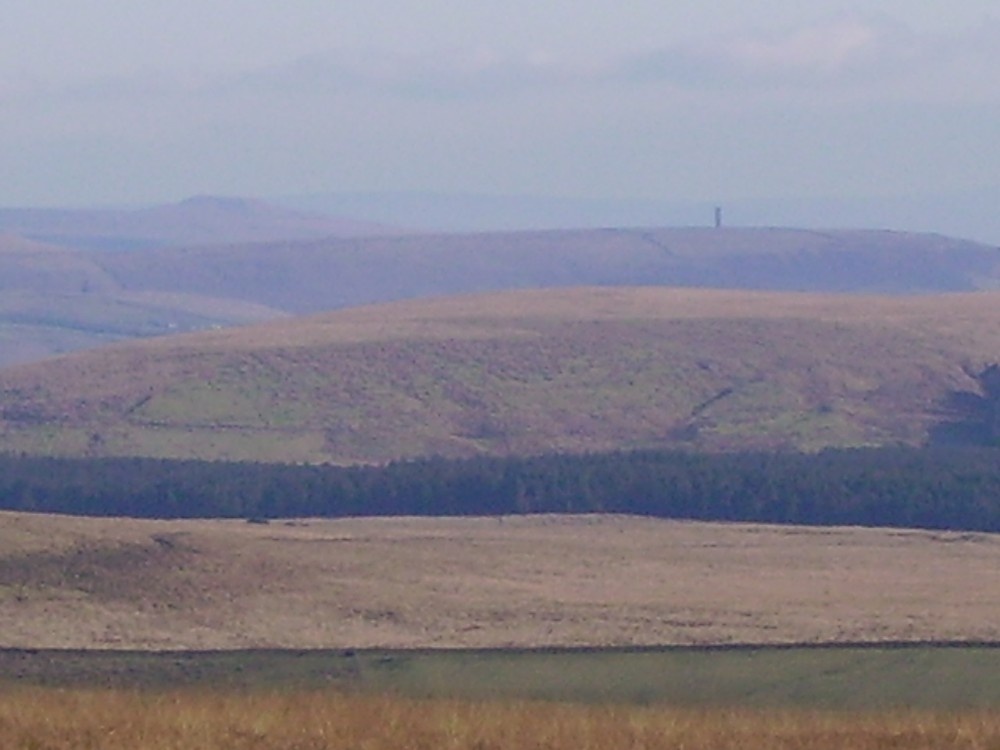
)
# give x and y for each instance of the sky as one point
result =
(112, 102)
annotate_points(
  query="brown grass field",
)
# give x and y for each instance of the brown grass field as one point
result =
(484, 582)
(109, 720)
(523, 372)
(528, 581)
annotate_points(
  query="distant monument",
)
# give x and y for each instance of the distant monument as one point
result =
(718, 216)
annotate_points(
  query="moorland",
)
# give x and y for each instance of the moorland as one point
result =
(70, 582)
(274, 631)
(120, 584)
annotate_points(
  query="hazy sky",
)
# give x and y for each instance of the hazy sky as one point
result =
(140, 101)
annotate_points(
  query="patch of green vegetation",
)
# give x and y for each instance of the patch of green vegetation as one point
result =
(105, 668)
(233, 444)
(202, 402)
(831, 678)
(799, 430)
(50, 439)
(827, 678)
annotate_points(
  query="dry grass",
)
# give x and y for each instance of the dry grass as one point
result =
(531, 581)
(75, 720)
(497, 313)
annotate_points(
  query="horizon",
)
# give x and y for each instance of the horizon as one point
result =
(738, 103)
(958, 215)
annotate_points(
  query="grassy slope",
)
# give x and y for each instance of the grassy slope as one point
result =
(521, 372)
(534, 581)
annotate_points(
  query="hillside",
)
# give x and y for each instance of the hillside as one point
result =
(528, 372)
(533, 581)
(54, 300)
(971, 214)
(323, 275)
(200, 220)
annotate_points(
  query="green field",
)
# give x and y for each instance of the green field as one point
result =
(939, 677)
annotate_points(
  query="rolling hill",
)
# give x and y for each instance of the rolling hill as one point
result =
(201, 220)
(529, 372)
(970, 213)
(304, 277)
(54, 300)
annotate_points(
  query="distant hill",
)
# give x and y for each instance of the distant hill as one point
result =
(971, 213)
(55, 299)
(332, 273)
(529, 372)
(201, 220)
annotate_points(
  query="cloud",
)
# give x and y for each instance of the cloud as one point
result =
(848, 55)
(845, 56)
(798, 56)
(463, 74)
(834, 52)
(851, 56)
(817, 49)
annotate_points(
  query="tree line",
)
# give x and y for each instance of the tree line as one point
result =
(926, 488)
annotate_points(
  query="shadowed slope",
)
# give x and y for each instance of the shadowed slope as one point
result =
(335, 273)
